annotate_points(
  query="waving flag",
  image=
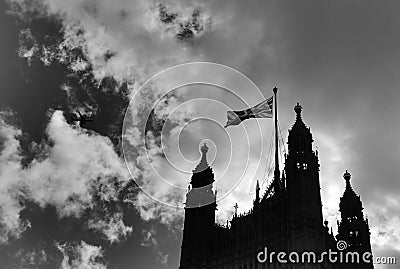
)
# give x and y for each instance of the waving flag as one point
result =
(262, 110)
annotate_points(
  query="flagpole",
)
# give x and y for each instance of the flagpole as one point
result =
(276, 172)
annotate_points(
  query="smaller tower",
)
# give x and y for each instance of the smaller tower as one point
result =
(353, 227)
(198, 231)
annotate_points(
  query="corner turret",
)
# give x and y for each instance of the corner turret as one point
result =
(353, 227)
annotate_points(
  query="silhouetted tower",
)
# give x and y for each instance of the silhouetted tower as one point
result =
(198, 232)
(353, 227)
(303, 190)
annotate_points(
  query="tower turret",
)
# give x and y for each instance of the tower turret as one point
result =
(350, 204)
(300, 138)
(202, 173)
(200, 209)
(353, 227)
(303, 187)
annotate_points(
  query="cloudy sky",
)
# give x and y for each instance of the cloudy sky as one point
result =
(68, 194)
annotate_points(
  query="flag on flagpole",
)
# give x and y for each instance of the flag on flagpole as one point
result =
(262, 110)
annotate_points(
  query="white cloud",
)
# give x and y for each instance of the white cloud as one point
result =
(124, 40)
(112, 227)
(82, 256)
(10, 172)
(150, 209)
(28, 47)
(385, 224)
(150, 240)
(67, 175)
(76, 163)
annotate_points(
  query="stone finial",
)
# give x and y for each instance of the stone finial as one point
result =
(298, 108)
(347, 176)
(204, 149)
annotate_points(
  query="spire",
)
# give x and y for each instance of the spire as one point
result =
(202, 173)
(347, 177)
(349, 192)
(257, 201)
(203, 165)
(350, 203)
(299, 121)
(204, 149)
(300, 138)
(298, 108)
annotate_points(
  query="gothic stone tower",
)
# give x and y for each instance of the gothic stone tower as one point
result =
(199, 222)
(353, 227)
(303, 190)
(288, 217)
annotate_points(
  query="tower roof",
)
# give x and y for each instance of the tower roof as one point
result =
(349, 192)
(202, 173)
(300, 137)
(299, 124)
(350, 203)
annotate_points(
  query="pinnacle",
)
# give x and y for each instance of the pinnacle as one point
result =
(299, 122)
(204, 149)
(298, 108)
(203, 165)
